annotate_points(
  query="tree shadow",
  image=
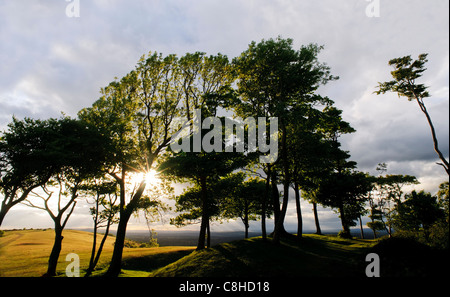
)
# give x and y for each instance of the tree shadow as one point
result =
(152, 262)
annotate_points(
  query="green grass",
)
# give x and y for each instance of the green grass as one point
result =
(25, 253)
(314, 256)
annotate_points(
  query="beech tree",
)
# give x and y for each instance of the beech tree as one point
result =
(272, 79)
(406, 71)
(104, 214)
(246, 199)
(205, 170)
(138, 114)
(387, 191)
(27, 160)
(78, 151)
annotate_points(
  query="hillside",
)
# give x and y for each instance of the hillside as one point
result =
(25, 253)
(313, 256)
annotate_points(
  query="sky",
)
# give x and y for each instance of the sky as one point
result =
(56, 55)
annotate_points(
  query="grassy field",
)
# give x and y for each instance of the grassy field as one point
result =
(313, 256)
(25, 253)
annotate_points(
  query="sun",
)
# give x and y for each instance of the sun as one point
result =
(150, 177)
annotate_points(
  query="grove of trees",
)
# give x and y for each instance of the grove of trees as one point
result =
(127, 133)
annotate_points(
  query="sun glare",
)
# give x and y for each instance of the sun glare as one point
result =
(150, 177)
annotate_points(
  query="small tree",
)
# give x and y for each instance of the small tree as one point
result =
(343, 190)
(27, 160)
(79, 152)
(417, 213)
(245, 200)
(405, 73)
(386, 192)
(103, 214)
(204, 170)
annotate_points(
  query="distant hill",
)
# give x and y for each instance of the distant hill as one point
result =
(190, 238)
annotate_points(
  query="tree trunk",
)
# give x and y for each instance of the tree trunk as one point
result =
(116, 261)
(93, 262)
(94, 241)
(125, 214)
(246, 218)
(275, 197)
(3, 212)
(264, 205)
(299, 211)
(345, 227)
(276, 205)
(205, 218)
(208, 235)
(102, 243)
(316, 219)
(361, 228)
(56, 250)
(279, 226)
(94, 246)
(444, 163)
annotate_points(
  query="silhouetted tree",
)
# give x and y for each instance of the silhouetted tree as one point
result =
(79, 151)
(272, 79)
(103, 214)
(405, 73)
(27, 159)
(419, 211)
(138, 113)
(204, 170)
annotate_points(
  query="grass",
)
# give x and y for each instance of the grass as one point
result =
(25, 253)
(314, 256)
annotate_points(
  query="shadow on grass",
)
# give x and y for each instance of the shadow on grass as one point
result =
(319, 256)
(151, 262)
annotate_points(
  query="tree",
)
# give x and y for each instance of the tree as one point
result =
(193, 209)
(246, 199)
(138, 113)
(79, 152)
(344, 190)
(405, 73)
(204, 170)
(419, 211)
(27, 159)
(328, 159)
(439, 231)
(272, 78)
(443, 198)
(390, 191)
(103, 214)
